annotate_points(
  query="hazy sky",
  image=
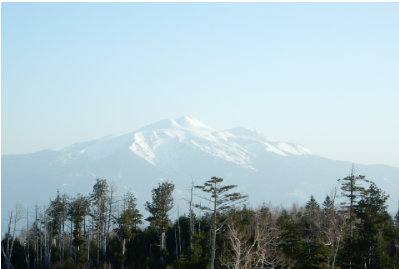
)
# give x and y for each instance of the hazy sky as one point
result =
(325, 75)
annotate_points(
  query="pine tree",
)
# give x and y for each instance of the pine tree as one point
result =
(57, 212)
(396, 231)
(220, 201)
(371, 211)
(162, 203)
(99, 201)
(328, 204)
(127, 222)
(351, 190)
(78, 208)
(312, 207)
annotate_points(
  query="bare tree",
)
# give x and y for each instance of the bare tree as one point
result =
(111, 205)
(252, 240)
(333, 229)
(26, 237)
(269, 252)
(240, 241)
(191, 212)
(15, 217)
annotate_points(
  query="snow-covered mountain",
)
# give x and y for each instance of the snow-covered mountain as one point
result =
(178, 150)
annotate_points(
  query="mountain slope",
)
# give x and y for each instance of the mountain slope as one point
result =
(177, 150)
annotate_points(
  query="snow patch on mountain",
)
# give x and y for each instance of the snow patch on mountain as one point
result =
(94, 150)
(180, 150)
(255, 141)
(163, 142)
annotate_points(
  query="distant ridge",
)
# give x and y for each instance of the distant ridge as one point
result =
(177, 150)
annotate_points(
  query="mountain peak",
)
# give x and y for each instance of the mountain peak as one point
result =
(185, 122)
(159, 125)
(190, 122)
(175, 149)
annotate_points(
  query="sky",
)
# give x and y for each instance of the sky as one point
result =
(324, 75)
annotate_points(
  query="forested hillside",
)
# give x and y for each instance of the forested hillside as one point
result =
(104, 229)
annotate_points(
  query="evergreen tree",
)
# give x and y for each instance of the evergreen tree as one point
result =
(312, 207)
(220, 201)
(127, 222)
(396, 231)
(99, 201)
(78, 208)
(328, 204)
(162, 203)
(300, 240)
(57, 212)
(351, 190)
(372, 214)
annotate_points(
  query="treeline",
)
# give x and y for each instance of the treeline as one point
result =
(105, 230)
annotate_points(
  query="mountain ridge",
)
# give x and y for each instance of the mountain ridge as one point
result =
(177, 150)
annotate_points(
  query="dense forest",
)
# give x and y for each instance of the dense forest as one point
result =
(105, 230)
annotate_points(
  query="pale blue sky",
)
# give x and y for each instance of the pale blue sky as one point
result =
(325, 75)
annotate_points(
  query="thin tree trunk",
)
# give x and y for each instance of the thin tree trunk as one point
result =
(36, 242)
(50, 245)
(199, 221)
(178, 226)
(70, 238)
(8, 241)
(177, 254)
(41, 247)
(16, 219)
(7, 260)
(27, 237)
(98, 246)
(351, 217)
(62, 248)
(84, 227)
(336, 252)
(45, 241)
(162, 239)
(123, 253)
(88, 246)
(213, 237)
(112, 191)
(191, 215)
(103, 237)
